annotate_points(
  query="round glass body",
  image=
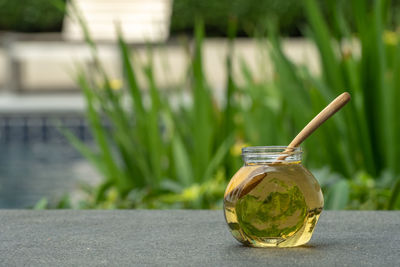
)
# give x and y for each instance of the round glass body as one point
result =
(272, 201)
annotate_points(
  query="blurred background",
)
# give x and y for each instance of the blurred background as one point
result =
(147, 103)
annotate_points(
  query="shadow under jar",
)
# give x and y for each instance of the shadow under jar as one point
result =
(270, 201)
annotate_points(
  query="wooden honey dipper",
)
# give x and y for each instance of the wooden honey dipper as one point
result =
(325, 114)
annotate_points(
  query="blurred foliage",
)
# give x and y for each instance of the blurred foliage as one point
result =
(44, 16)
(249, 14)
(151, 153)
(31, 16)
(360, 142)
(155, 154)
(47, 15)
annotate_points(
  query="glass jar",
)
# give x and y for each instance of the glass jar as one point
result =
(272, 201)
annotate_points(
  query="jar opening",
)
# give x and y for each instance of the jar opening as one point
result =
(271, 154)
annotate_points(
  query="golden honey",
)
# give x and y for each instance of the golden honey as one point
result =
(270, 202)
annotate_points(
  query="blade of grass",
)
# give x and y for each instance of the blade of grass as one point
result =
(288, 81)
(338, 196)
(99, 131)
(182, 162)
(155, 143)
(202, 124)
(218, 157)
(83, 149)
(370, 74)
(130, 77)
(395, 110)
(323, 40)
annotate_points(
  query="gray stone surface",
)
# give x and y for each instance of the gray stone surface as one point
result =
(187, 238)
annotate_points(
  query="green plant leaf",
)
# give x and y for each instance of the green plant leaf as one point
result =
(41, 204)
(338, 196)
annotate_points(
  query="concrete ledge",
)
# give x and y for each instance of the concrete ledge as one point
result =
(187, 238)
(49, 66)
(41, 103)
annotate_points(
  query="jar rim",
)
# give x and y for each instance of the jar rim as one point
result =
(270, 154)
(271, 149)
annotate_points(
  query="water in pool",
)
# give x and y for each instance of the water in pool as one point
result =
(31, 171)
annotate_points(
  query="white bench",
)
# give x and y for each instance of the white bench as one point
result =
(141, 21)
